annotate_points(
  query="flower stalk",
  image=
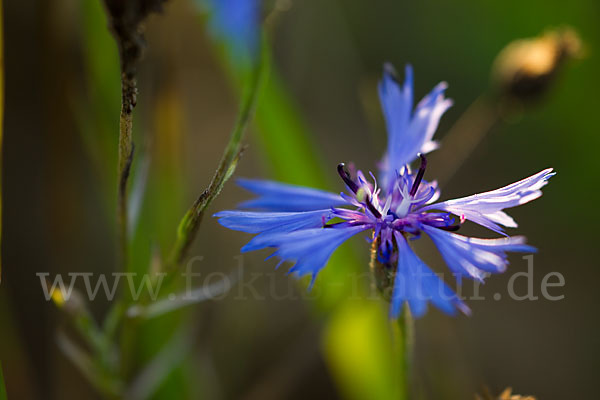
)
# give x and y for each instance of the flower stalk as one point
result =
(402, 328)
(125, 20)
(1, 117)
(522, 74)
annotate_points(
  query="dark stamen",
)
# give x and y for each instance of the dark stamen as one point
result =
(372, 208)
(419, 177)
(345, 175)
(451, 228)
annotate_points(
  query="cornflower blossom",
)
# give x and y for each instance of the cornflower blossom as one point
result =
(305, 226)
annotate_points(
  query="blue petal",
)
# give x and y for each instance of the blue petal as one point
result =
(257, 221)
(416, 284)
(310, 249)
(397, 103)
(275, 196)
(486, 208)
(408, 133)
(474, 257)
(237, 23)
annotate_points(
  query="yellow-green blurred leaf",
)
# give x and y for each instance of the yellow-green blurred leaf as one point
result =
(357, 348)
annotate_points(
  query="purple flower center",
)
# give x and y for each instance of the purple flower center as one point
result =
(400, 210)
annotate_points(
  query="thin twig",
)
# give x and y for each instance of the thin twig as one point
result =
(126, 19)
(464, 137)
(188, 227)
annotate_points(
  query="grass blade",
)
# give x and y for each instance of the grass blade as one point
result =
(186, 298)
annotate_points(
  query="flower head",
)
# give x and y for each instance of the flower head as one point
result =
(306, 225)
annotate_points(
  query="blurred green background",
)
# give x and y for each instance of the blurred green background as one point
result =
(62, 102)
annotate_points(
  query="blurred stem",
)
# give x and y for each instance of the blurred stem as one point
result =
(101, 353)
(1, 118)
(104, 354)
(108, 385)
(465, 135)
(155, 372)
(402, 328)
(127, 345)
(2, 387)
(188, 227)
(89, 330)
(403, 334)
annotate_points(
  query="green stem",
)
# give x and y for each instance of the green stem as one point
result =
(402, 329)
(188, 227)
(403, 334)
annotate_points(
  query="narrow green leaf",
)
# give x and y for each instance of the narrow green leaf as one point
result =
(104, 383)
(186, 298)
(156, 371)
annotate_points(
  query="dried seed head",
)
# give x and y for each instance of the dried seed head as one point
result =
(505, 395)
(525, 69)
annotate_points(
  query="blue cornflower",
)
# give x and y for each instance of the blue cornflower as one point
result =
(306, 225)
(237, 23)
